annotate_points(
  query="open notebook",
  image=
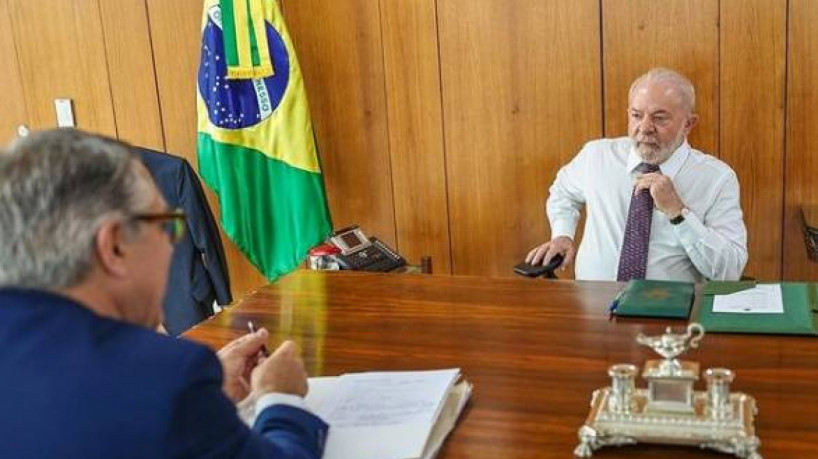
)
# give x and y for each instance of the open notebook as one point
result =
(384, 415)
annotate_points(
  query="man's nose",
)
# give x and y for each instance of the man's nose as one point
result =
(646, 125)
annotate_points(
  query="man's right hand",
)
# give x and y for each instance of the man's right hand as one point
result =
(542, 254)
(282, 372)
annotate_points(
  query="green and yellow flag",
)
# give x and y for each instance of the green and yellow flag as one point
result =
(255, 137)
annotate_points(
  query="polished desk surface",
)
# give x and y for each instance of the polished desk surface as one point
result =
(534, 349)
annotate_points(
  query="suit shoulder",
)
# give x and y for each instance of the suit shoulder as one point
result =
(166, 354)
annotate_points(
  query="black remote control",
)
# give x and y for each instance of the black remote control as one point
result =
(529, 270)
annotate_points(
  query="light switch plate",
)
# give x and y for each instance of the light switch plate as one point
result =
(65, 112)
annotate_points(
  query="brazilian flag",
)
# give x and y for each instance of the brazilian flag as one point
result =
(255, 140)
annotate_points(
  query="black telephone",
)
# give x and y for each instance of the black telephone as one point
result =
(362, 253)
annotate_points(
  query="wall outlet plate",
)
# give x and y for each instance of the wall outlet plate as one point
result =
(65, 112)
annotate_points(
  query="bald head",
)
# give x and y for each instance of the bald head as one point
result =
(674, 83)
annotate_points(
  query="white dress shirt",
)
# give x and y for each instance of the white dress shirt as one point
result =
(278, 398)
(710, 243)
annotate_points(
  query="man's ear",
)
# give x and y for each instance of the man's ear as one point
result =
(108, 243)
(691, 122)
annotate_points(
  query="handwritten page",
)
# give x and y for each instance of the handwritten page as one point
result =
(384, 415)
(763, 299)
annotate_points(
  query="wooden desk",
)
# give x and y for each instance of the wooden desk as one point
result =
(534, 349)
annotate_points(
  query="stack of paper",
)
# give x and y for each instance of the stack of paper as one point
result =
(387, 415)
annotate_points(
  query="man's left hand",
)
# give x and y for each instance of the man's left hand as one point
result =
(239, 357)
(663, 193)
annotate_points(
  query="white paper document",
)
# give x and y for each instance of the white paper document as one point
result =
(384, 415)
(763, 299)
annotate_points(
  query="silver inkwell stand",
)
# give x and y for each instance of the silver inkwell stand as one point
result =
(669, 411)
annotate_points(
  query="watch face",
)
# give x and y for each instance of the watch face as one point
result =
(679, 218)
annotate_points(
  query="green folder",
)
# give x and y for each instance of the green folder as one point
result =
(651, 298)
(800, 315)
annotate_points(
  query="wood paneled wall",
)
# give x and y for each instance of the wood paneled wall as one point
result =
(801, 160)
(441, 123)
(514, 109)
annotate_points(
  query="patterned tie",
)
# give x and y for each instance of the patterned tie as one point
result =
(633, 261)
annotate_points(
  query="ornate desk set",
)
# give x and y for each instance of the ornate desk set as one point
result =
(669, 411)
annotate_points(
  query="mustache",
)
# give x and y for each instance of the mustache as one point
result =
(647, 140)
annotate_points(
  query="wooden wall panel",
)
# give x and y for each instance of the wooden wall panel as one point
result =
(60, 47)
(521, 94)
(752, 66)
(13, 112)
(416, 130)
(130, 67)
(802, 123)
(176, 38)
(340, 49)
(175, 29)
(678, 34)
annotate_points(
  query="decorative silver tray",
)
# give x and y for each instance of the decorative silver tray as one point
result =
(669, 411)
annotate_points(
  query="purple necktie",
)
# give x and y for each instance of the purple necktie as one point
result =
(633, 261)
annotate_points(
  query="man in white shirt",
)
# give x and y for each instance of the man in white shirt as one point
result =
(695, 230)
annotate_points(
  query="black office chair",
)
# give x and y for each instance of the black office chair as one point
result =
(810, 231)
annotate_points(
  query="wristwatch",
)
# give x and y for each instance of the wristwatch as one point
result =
(679, 218)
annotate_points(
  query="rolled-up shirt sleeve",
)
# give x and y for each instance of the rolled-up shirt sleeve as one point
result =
(716, 242)
(566, 197)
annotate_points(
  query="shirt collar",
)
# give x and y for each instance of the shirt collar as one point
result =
(670, 167)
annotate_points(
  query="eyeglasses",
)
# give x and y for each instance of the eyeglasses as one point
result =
(173, 223)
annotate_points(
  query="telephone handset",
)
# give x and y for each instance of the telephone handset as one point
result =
(362, 253)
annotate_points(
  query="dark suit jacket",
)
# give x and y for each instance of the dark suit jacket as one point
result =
(74, 385)
(198, 271)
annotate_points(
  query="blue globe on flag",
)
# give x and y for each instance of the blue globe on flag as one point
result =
(237, 104)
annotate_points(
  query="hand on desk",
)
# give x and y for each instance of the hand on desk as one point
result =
(542, 254)
(246, 369)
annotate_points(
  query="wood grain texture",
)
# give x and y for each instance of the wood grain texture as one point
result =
(61, 52)
(131, 72)
(175, 29)
(802, 152)
(679, 34)
(521, 94)
(340, 49)
(752, 73)
(13, 113)
(412, 73)
(176, 38)
(534, 350)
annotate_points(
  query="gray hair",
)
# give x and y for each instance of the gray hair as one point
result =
(681, 84)
(56, 189)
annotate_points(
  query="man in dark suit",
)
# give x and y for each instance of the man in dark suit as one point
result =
(86, 244)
